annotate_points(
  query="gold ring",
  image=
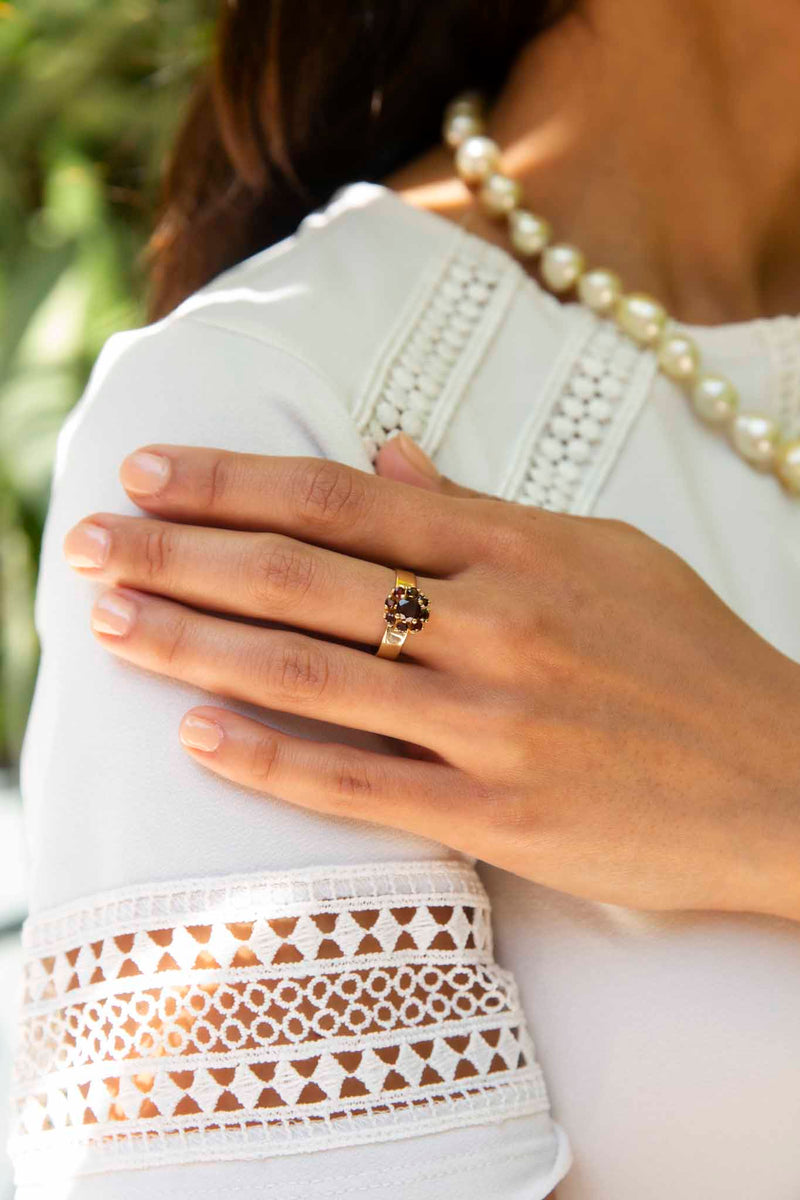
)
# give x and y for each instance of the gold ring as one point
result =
(405, 611)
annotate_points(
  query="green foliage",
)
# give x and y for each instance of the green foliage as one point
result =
(90, 91)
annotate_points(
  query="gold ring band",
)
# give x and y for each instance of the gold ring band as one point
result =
(405, 611)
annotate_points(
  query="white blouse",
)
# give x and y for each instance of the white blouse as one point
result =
(226, 995)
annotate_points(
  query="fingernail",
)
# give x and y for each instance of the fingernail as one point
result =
(199, 733)
(113, 613)
(416, 457)
(145, 473)
(87, 545)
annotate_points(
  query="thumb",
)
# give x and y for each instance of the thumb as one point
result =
(402, 459)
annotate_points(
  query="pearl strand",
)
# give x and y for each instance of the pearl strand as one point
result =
(754, 435)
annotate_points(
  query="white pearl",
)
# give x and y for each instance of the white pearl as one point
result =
(562, 266)
(715, 399)
(600, 289)
(476, 158)
(529, 233)
(641, 317)
(678, 357)
(499, 195)
(787, 465)
(754, 436)
(462, 125)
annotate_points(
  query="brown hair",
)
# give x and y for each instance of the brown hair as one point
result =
(304, 96)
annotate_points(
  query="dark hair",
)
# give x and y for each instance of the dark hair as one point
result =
(304, 96)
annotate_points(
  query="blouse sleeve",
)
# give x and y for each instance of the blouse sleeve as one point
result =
(213, 978)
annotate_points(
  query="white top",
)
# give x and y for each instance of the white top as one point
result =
(197, 953)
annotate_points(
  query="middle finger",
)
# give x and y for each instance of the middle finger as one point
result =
(262, 575)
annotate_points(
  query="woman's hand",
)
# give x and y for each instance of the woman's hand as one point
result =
(580, 709)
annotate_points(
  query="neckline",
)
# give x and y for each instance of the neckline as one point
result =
(780, 327)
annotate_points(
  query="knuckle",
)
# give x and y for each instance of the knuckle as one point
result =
(513, 539)
(619, 528)
(328, 493)
(176, 638)
(354, 784)
(264, 754)
(504, 533)
(299, 670)
(213, 484)
(280, 572)
(157, 550)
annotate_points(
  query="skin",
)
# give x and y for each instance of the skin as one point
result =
(578, 741)
(657, 136)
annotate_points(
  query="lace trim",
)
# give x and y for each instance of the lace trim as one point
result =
(270, 1016)
(782, 336)
(597, 389)
(417, 384)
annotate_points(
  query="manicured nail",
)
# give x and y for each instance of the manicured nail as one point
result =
(87, 545)
(113, 613)
(144, 472)
(416, 457)
(199, 733)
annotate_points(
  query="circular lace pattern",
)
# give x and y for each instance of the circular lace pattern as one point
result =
(287, 1005)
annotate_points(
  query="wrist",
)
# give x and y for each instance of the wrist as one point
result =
(775, 886)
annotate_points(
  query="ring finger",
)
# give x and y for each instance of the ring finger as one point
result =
(262, 575)
(279, 669)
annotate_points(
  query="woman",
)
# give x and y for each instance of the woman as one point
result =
(252, 942)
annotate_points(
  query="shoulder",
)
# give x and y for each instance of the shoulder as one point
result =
(303, 318)
(373, 317)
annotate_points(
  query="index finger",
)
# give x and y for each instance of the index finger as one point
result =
(313, 499)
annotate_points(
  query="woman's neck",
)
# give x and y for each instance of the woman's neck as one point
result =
(663, 139)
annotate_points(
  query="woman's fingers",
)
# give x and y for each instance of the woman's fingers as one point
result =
(420, 797)
(263, 575)
(279, 669)
(313, 499)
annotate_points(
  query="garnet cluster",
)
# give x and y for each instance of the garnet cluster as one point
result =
(406, 609)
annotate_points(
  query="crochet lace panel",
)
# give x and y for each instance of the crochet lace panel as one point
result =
(580, 424)
(782, 337)
(420, 378)
(575, 430)
(243, 1018)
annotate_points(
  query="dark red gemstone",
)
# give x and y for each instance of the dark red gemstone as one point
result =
(409, 607)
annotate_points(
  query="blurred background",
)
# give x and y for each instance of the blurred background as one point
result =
(90, 92)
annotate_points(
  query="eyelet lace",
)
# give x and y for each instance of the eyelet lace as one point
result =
(266, 1017)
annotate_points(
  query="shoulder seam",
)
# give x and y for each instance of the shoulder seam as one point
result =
(273, 342)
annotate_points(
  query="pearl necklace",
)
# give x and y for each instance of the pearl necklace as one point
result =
(754, 435)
